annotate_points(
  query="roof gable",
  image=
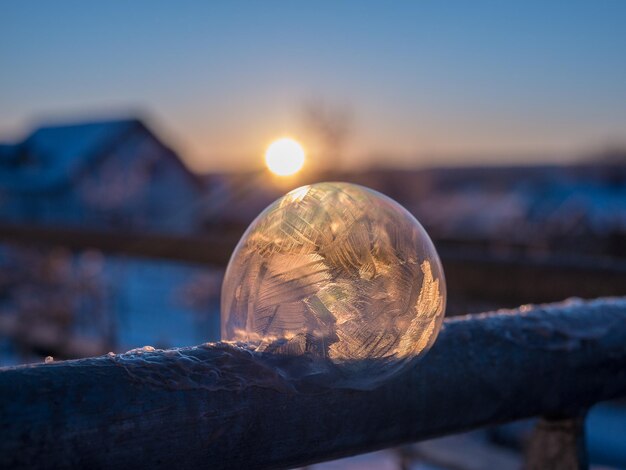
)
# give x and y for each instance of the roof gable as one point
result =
(51, 155)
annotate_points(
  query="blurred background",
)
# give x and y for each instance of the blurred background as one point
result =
(138, 140)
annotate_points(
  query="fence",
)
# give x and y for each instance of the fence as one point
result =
(509, 279)
(224, 407)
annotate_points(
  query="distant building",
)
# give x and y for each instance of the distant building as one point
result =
(112, 175)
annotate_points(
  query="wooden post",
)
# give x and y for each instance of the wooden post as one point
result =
(558, 444)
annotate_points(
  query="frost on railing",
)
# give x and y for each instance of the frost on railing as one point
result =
(224, 406)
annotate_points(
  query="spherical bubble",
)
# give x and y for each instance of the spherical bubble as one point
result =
(336, 271)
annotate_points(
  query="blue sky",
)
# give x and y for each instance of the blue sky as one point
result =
(426, 82)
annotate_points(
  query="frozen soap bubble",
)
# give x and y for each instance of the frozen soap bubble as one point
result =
(335, 271)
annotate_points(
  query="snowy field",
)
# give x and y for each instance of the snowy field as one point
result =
(125, 303)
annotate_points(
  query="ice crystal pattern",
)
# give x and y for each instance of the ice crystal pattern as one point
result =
(336, 271)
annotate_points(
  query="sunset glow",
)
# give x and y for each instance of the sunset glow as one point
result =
(285, 157)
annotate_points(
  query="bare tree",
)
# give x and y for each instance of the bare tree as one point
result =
(331, 125)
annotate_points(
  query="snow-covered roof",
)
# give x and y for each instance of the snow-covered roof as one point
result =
(52, 155)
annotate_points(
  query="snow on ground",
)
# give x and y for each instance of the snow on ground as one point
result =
(153, 308)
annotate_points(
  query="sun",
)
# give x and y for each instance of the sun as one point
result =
(284, 157)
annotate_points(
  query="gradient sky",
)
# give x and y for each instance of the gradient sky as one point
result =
(426, 82)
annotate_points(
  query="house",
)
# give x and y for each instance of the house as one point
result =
(107, 175)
